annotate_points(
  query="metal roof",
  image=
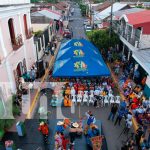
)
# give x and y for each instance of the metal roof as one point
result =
(106, 12)
(47, 13)
(143, 58)
(127, 11)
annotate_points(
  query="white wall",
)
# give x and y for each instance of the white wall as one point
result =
(10, 2)
(145, 41)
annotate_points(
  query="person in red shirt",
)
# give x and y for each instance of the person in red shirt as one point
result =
(44, 130)
(64, 141)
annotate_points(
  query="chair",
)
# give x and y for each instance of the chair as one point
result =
(91, 99)
(73, 97)
(85, 99)
(117, 99)
(79, 98)
(110, 92)
(86, 92)
(91, 92)
(73, 91)
(106, 101)
(111, 99)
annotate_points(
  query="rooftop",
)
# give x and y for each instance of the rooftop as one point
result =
(47, 13)
(106, 12)
(140, 19)
(143, 57)
(119, 13)
(4, 3)
(103, 6)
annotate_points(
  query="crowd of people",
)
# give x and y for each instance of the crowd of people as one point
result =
(67, 131)
(131, 86)
(84, 90)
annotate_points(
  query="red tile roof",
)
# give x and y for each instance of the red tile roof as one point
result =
(103, 6)
(58, 6)
(140, 19)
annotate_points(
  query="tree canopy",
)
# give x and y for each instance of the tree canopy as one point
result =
(44, 1)
(101, 38)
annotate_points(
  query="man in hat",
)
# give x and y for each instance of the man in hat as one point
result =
(73, 131)
(44, 130)
(91, 118)
(60, 127)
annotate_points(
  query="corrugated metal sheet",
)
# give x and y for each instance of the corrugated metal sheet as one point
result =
(48, 14)
(106, 13)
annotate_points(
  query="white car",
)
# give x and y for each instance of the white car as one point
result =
(88, 28)
(86, 22)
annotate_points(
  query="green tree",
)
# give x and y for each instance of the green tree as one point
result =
(44, 1)
(83, 9)
(101, 38)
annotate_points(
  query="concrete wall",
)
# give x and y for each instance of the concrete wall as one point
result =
(12, 58)
(145, 41)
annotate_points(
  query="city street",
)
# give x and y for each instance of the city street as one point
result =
(33, 139)
(77, 24)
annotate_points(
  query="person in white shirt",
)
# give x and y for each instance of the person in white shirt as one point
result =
(97, 92)
(127, 126)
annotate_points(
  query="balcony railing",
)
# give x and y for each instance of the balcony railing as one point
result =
(133, 41)
(17, 42)
(29, 34)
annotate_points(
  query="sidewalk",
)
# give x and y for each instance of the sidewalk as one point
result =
(35, 93)
(116, 81)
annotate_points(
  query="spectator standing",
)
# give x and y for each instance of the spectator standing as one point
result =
(127, 126)
(119, 116)
(113, 111)
(90, 118)
(44, 130)
(138, 135)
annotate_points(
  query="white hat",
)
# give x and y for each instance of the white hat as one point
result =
(59, 123)
(42, 123)
(76, 125)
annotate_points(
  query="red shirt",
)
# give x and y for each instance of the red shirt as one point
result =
(44, 129)
(134, 106)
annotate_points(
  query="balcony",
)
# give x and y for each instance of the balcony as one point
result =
(29, 34)
(17, 42)
(13, 2)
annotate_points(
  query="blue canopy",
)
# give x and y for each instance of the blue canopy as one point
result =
(77, 43)
(77, 52)
(79, 58)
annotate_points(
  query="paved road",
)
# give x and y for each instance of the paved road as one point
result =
(77, 24)
(33, 139)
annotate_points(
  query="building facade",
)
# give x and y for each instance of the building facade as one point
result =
(134, 33)
(17, 51)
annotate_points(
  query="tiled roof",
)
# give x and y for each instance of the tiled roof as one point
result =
(102, 6)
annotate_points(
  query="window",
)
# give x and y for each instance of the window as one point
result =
(11, 30)
(25, 24)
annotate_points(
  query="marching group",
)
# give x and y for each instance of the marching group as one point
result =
(67, 131)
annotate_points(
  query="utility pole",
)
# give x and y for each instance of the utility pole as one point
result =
(90, 14)
(111, 16)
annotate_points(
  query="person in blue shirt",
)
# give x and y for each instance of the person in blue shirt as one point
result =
(123, 104)
(60, 127)
(120, 115)
(92, 132)
(90, 118)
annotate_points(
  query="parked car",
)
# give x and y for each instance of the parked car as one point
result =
(86, 22)
(88, 28)
(67, 34)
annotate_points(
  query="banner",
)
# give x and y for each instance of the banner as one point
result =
(97, 142)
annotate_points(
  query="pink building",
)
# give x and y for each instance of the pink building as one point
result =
(17, 51)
